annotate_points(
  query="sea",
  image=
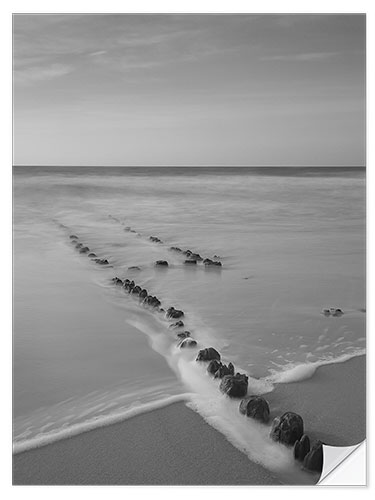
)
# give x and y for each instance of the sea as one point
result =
(85, 353)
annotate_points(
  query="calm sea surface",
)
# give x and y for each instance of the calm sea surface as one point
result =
(291, 241)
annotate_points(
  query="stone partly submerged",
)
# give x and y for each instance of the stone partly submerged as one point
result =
(224, 370)
(184, 335)
(213, 366)
(174, 313)
(313, 461)
(255, 407)
(287, 429)
(234, 386)
(301, 448)
(188, 342)
(178, 324)
(208, 354)
(161, 263)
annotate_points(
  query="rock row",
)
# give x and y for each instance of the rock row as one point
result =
(287, 429)
(192, 257)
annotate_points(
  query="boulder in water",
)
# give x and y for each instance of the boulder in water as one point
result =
(313, 461)
(92, 254)
(183, 335)
(161, 263)
(255, 407)
(134, 268)
(176, 249)
(208, 354)
(178, 324)
(174, 313)
(224, 370)
(235, 386)
(213, 366)
(301, 448)
(79, 245)
(287, 429)
(188, 342)
(73, 237)
(190, 261)
(84, 250)
(136, 290)
(337, 313)
(102, 262)
(143, 293)
(117, 281)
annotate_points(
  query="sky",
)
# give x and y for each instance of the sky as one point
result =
(189, 90)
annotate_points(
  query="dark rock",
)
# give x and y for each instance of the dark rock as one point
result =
(190, 261)
(73, 237)
(129, 285)
(187, 343)
(127, 228)
(235, 386)
(102, 262)
(338, 312)
(224, 370)
(84, 250)
(134, 268)
(178, 324)
(213, 366)
(314, 459)
(152, 301)
(183, 335)
(287, 429)
(255, 407)
(326, 312)
(73, 242)
(207, 261)
(301, 448)
(161, 263)
(208, 354)
(196, 256)
(136, 290)
(187, 252)
(155, 239)
(117, 281)
(174, 313)
(143, 293)
(92, 254)
(79, 245)
(212, 263)
(176, 249)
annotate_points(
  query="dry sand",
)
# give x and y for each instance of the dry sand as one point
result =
(174, 445)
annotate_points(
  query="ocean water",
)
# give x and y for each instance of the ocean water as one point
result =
(291, 242)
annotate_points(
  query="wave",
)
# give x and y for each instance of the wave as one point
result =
(44, 439)
(304, 371)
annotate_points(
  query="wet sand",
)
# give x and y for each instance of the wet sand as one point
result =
(332, 402)
(169, 446)
(174, 445)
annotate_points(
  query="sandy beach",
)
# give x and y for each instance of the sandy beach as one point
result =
(332, 402)
(174, 445)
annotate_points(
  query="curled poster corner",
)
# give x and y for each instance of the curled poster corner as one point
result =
(344, 465)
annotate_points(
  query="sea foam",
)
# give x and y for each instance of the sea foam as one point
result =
(44, 439)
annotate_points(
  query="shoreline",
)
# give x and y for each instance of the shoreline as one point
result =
(173, 445)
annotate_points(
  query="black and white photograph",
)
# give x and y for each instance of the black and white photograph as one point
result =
(189, 247)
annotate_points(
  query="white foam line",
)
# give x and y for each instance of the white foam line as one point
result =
(94, 423)
(304, 371)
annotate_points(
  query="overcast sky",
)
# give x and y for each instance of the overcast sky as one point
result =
(189, 89)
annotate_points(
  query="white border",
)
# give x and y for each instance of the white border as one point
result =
(240, 6)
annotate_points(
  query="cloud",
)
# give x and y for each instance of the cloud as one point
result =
(308, 56)
(30, 75)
